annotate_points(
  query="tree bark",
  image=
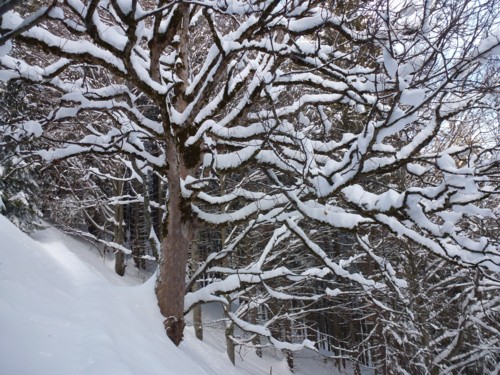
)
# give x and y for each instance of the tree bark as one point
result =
(230, 347)
(179, 227)
(118, 230)
(288, 338)
(171, 281)
(197, 316)
(179, 231)
(147, 218)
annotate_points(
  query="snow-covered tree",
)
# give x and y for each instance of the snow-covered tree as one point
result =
(20, 184)
(313, 109)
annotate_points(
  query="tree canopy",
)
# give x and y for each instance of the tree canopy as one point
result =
(342, 149)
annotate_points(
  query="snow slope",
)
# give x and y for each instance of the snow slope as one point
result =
(64, 311)
(58, 316)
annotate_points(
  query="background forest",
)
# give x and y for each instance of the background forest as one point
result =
(327, 171)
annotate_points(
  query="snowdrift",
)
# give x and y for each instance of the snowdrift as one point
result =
(63, 310)
(60, 316)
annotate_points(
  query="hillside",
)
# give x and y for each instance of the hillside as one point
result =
(64, 311)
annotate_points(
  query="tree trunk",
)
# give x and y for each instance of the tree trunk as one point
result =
(252, 318)
(198, 322)
(171, 281)
(197, 317)
(120, 263)
(288, 338)
(173, 261)
(179, 227)
(118, 230)
(230, 348)
(147, 217)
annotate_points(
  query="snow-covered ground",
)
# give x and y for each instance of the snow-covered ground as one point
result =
(64, 311)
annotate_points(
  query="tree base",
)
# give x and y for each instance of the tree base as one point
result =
(174, 328)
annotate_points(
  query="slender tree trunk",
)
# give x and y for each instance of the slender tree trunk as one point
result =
(120, 263)
(230, 347)
(147, 218)
(253, 320)
(118, 230)
(198, 322)
(197, 317)
(288, 338)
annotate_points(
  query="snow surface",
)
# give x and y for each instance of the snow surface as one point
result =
(64, 311)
